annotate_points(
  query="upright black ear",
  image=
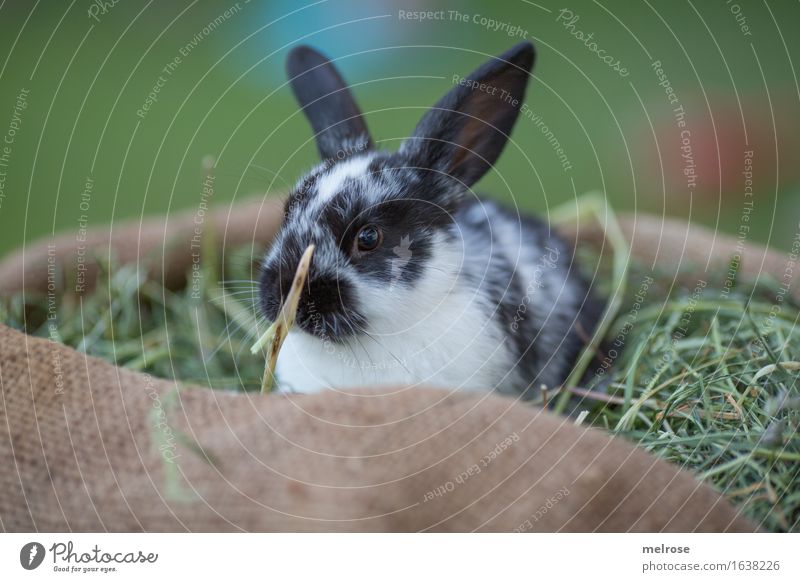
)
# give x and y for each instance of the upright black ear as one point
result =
(464, 133)
(327, 102)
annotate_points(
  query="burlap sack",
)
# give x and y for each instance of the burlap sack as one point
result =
(88, 446)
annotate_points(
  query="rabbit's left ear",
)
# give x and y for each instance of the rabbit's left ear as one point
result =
(327, 102)
(464, 133)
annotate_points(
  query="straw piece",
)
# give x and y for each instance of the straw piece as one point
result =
(276, 333)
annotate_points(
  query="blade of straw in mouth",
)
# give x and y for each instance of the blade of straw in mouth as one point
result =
(276, 333)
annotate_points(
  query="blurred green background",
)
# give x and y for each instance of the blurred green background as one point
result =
(85, 68)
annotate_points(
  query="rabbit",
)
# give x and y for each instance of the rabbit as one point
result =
(416, 280)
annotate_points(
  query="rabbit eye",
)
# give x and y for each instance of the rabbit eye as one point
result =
(369, 238)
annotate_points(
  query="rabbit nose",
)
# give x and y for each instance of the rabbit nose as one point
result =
(322, 294)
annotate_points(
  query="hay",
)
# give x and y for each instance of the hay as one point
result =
(276, 333)
(711, 384)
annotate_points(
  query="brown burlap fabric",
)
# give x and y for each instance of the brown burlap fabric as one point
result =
(86, 446)
(117, 450)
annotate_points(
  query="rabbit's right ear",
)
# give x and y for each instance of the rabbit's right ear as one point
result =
(337, 122)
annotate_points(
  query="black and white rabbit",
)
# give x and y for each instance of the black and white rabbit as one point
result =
(416, 280)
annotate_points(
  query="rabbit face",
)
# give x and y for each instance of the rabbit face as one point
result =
(372, 237)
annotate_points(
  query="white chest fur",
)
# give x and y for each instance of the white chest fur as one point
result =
(461, 352)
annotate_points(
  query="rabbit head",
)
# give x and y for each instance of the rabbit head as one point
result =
(382, 221)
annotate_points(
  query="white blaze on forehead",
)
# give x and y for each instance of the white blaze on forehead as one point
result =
(330, 182)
